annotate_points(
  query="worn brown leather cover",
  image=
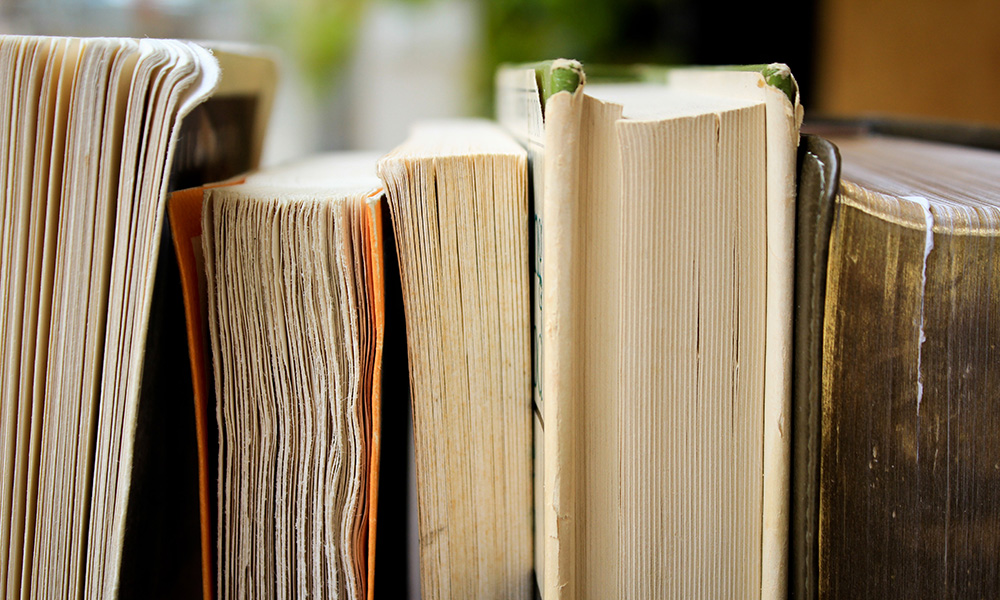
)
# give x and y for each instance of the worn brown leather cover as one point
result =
(910, 446)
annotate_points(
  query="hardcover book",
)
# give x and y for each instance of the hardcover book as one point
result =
(908, 484)
(663, 212)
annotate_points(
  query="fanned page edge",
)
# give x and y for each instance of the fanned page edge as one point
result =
(199, 90)
(373, 246)
(424, 179)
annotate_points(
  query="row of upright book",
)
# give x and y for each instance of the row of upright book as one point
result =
(657, 343)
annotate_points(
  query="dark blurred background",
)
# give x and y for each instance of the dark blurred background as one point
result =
(356, 73)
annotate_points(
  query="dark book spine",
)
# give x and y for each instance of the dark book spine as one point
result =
(818, 176)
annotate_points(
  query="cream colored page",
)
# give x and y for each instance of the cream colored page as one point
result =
(597, 309)
(339, 460)
(41, 493)
(628, 209)
(287, 297)
(71, 441)
(15, 58)
(501, 244)
(516, 413)
(110, 140)
(459, 204)
(461, 548)
(692, 347)
(783, 120)
(604, 424)
(125, 171)
(154, 65)
(284, 348)
(241, 256)
(227, 268)
(343, 520)
(220, 351)
(330, 453)
(424, 348)
(520, 112)
(476, 296)
(192, 80)
(36, 160)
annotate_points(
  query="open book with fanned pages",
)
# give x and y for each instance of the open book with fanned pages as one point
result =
(100, 489)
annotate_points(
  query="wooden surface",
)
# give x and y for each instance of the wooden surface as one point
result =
(920, 58)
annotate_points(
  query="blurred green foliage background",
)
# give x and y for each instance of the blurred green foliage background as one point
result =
(606, 32)
(339, 54)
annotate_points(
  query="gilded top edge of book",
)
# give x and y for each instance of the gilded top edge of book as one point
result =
(917, 212)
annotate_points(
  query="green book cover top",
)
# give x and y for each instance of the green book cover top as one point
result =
(565, 75)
